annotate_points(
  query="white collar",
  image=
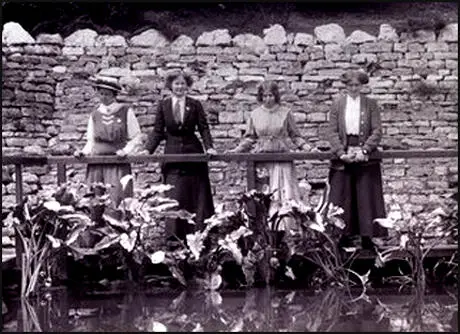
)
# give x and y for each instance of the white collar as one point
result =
(180, 99)
(110, 109)
(349, 98)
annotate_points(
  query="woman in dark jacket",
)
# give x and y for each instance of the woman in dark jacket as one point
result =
(178, 116)
(354, 133)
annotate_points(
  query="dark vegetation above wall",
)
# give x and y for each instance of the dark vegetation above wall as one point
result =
(173, 19)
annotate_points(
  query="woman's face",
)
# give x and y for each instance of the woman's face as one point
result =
(268, 99)
(354, 87)
(179, 86)
(106, 96)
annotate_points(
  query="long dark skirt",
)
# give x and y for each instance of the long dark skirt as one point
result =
(192, 189)
(111, 174)
(358, 190)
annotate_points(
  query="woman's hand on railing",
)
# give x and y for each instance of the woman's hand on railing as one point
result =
(211, 151)
(78, 154)
(121, 153)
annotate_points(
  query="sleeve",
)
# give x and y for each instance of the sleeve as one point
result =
(376, 127)
(203, 126)
(337, 147)
(134, 132)
(88, 148)
(250, 137)
(294, 133)
(158, 133)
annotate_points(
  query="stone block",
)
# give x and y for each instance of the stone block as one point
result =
(81, 38)
(330, 33)
(216, 37)
(449, 33)
(249, 42)
(14, 33)
(275, 35)
(149, 38)
(359, 36)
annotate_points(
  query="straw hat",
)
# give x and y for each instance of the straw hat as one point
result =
(107, 83)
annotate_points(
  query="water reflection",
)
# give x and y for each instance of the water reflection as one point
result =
(252, 310)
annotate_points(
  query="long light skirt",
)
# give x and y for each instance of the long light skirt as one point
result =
(282, 180)
(111, 174)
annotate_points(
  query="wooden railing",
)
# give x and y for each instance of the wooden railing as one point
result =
(250, 158)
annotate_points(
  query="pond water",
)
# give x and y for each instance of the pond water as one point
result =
(252, 310)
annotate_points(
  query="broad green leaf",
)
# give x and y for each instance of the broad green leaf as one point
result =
(317, 227)
(52, 205)
(198, 328)
(73, 236)
(106, 242)
(125, 180)
(78, 218)
(157, 257)
(165, 206)
(156, 326)
(195, 243)
(385, 222)
(216, 298)
(65, 209)
(177, 274)
(403, 239)
(128, 241)
(115, 222)
(289, 273)
(215, 281)
(55, 242)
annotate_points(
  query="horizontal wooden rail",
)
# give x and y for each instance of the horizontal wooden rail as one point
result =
(110, 159)
(250, 158)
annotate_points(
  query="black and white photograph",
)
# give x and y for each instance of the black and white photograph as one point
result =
(229, 166)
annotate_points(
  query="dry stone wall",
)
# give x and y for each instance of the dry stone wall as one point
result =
(46, 96)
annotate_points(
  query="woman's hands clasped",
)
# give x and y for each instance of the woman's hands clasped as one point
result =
(356, 155)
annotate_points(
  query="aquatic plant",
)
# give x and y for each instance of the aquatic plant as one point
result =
(416, 235)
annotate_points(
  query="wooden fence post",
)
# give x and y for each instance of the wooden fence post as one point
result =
(251, 174)
(19, 197)
(61, 173)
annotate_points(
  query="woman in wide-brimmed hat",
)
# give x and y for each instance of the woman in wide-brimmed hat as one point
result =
(354, 133)
(112, 129)
(177, 119)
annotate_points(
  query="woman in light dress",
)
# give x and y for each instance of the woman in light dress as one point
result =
(271, 128)
(112, 129)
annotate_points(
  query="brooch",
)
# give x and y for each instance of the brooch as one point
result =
(118, 120)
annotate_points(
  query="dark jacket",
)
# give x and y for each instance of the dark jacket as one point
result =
(180, 137)
(370, 128)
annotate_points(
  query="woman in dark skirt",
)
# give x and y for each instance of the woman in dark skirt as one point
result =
(178, 117)
(112, 129)
(354, 133)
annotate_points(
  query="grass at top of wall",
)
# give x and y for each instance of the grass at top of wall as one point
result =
(193, 19)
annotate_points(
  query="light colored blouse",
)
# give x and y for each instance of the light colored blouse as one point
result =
(181, 104)
(352, 115)
(271, 130)
(108, 117)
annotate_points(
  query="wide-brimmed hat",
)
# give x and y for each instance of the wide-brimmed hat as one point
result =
(107, 83)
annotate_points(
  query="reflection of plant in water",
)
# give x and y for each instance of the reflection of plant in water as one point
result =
(417, 316)
(251, 310)
(417, 235)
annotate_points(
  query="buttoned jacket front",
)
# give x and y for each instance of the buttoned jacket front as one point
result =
(370, 128)
(180, 136)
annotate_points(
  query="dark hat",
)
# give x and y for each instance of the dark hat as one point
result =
(107, 83)
(361, 76)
